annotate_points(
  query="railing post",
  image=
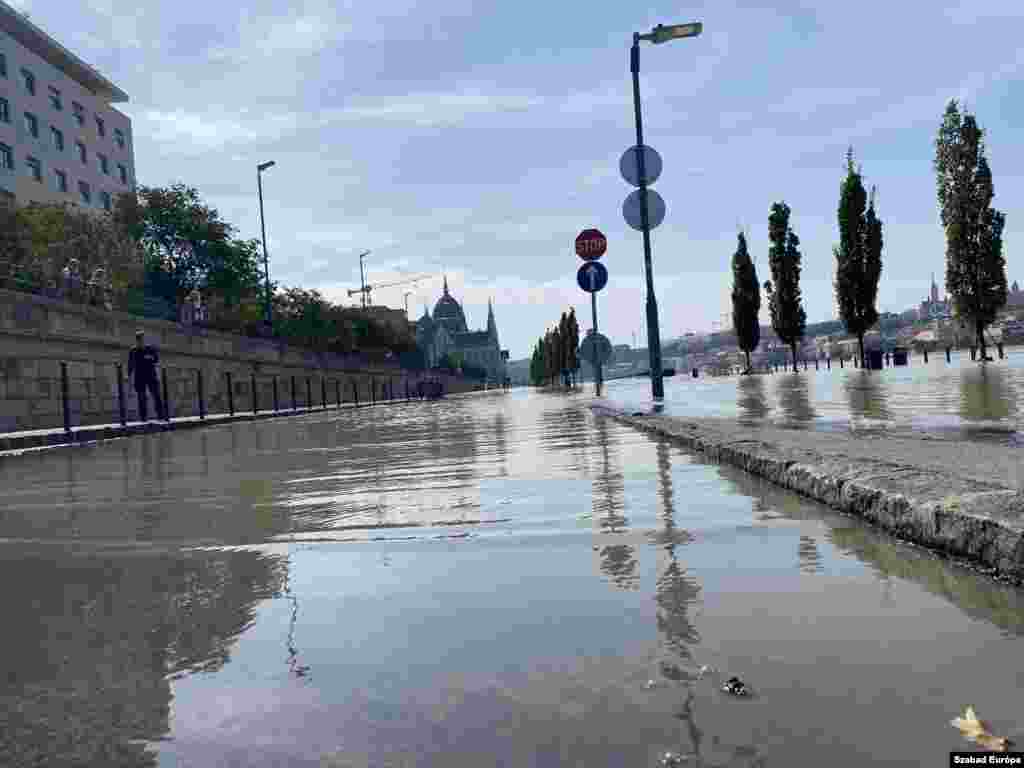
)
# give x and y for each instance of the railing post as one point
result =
(373, 391)
(231, 394)
(122, 410)
(337, 392)
(355, 393)
(309, 394)
(167, 400)
(201, 393)
(294, 406)
(255, 397)
(275, 393)
(64, 396)
(323, 393)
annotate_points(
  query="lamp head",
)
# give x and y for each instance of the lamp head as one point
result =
(662, 34)
(263, 166)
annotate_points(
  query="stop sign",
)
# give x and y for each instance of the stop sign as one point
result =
(591, 244)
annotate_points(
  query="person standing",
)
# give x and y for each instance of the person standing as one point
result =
(142, 361)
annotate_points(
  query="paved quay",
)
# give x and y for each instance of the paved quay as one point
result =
(15, 442)
(959, 498)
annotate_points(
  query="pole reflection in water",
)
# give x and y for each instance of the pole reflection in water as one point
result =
(808, 556)
(618, 560)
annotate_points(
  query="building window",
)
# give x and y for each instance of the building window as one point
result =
(104, 164)
(55, 99)
(29, 81)
(60, 179)
(3, 65)
(5, 111)
(119, 137)
(84, 192)
(105, 199)
(32, 125)
(82, 154)
(122, 172)
(79, 112)
(58, 138)
(101, 129)
(6, 158)
(34, 168)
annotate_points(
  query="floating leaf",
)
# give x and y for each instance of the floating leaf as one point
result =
(974, 729)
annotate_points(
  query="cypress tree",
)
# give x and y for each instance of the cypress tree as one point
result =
(784, 301)
(574, 343)
(746, 300)
(858, 255)
(975, 266)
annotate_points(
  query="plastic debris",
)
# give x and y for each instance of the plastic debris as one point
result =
(671, 760)
(736, 687)
(703, 671)
(976, 730)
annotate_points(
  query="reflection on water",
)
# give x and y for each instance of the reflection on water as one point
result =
(445, 601)
(987, 393)
(793, 391)
(91, 649)
(751, 398)
(866, 395)
(961, 395)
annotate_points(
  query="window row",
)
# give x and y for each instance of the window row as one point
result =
(34, 168)
(57, 139)
(57, 102)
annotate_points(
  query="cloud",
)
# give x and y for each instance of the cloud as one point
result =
(438, 108)
(193, 133)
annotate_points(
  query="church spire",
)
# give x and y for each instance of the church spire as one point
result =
(446, 285)
(492, 326)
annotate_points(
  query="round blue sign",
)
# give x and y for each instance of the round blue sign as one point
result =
(592, 276)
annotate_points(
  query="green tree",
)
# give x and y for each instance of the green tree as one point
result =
(975, 266)
(784, 301)
(537, 364)
(574, 344)
(746, 299)
(858, 255)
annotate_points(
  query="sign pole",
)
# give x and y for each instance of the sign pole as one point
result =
(598, 376)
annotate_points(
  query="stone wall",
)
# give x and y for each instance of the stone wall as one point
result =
(37, 334)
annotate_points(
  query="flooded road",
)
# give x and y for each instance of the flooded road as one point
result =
(496, 579)
(959, 399)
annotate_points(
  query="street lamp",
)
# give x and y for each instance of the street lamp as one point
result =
(660, 34)
(267, 317)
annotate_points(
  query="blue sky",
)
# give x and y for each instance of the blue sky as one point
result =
(479, 138)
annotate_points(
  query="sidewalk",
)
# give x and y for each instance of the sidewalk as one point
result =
(56, 436)
(962, 498)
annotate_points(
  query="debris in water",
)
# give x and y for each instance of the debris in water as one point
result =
(977, 731)
(736, 687)
(671, 760)
(703, 671)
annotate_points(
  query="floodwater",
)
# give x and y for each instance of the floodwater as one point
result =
(496, 579)
(961, 398)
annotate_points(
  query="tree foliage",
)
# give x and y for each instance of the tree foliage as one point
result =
(975, 265)
(789, 321)
(555, 354)
(858, 255)
(746, 299)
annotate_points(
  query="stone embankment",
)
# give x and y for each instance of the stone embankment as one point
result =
(960, 498)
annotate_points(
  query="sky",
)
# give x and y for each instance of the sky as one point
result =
(478, 139)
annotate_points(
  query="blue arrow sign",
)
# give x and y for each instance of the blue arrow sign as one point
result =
(592, 276)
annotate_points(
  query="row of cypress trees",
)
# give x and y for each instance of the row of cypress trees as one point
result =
(975, 265)
(555, 355)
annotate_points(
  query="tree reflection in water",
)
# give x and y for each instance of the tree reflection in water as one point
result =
(794, 398)
(751, 399)
(93, 642)
(987, 394)
(618, 561)
(866, 395)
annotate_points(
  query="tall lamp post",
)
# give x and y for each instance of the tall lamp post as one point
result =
(267, 317)
(660, 34)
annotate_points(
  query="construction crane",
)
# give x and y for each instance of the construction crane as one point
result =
(365, 290)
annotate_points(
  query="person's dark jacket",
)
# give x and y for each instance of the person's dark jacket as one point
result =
(143, 361)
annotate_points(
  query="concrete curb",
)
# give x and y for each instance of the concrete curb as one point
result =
(982, 522)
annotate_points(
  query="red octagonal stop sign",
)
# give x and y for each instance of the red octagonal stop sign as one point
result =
(591, 244)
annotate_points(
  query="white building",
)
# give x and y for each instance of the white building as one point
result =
(61, 140)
